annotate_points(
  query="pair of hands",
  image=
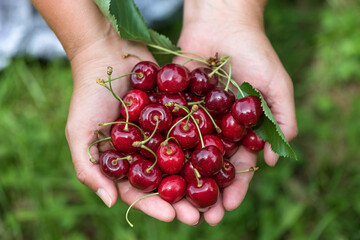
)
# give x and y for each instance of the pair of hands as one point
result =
(253, 59)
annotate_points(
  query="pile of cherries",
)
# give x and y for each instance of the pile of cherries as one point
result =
(176, 132)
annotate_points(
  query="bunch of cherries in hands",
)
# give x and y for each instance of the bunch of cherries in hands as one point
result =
(177, 130)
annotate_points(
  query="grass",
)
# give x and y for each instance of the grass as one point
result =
(316, 197)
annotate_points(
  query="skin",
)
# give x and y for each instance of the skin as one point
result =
(92, 44)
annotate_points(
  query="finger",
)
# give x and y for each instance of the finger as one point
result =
(186, 213)
(234, 194)
(216, 213)
(150, 205)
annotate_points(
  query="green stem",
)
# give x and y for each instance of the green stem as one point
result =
(251, 169)
(217, 128)
(172, 127)
(139, 143)
(128, 210)
(220, 66)
(152, 152)
(232, 81)
(98, 133)
(127, 74)
(92, 144)
(193, 103)
(113, 162)
(132, 55)
(197, 176)
(193, 53)
(132, 124)
(229, 79)
(187, 61)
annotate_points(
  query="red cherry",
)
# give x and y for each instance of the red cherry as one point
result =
(219, 101)
(172, 78)
(186, 134)
(153, 144)
(123, 139)
(171, 160)
(135, 157)
(229, 146)
(212, 140)
(208, 160)
(190, 97)
(188, 173)
(115, 170)
(135, 101)
(247, 111)
(142, 178)
(226, 175)
(231, 129)
(153, 97)
(172, 188)
(252, 142)
(174, 98)
(200, 81)
(146, 81)
(203, 195)
(150, 113)
(205, 124)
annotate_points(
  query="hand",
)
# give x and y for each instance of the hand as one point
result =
(210, 28)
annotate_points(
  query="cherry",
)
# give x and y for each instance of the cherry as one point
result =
(150, 113)
(172, 78)
(172, 188)
(188, 173)
(153, 97)
(153, 144)
(135, 100)
(212, 140)
(252, 142)
(123, 139)
(113, 164)
(190, 97)
(135, 157)
(142, 175)
(200, 81)
(205, 124)
(226, 175)
(229, 146)
(247, 111)
(219, 101)
(208, 160)
(202, 194)
(174, 98)
(185, 133)
(231, 129)
(171, 158)
(146, 79)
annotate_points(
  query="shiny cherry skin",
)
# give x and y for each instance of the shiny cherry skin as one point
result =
(188, 173)
(172, 188)
(200, 81)
(247, 111)
(189, 97)
(174, 98)
(212, 140)
(135, 101)
(142, 178)
(153, 144)
(148, 115)
(172, 78)
(171, 160)
(153, 97)
(229, 146)
(146, 81)
(208, 160)
(203, 195)
(231, 129)
(205, 124)
(252, 142)
(186, 135)
(219, 101)
(113, 170)
(226, 175)
(123, 139)
(135, 156)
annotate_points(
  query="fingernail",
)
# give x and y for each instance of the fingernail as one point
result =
(104, 196)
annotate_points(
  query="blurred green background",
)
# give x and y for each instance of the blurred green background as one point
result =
(317, 197)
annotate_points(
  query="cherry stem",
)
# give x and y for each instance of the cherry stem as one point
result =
(187, 61)
(193, 53)
(226, 59)
(197, 176)
(132, 124)
(128, 210)
(172, 127)
(127, 74)
(92, 144)
(98, 133)
(139, 143)
(229, 79)
(166, 143)
(152, 152)
(132, 55)
(193, 103)
(232, 81)
(114, 162)
(251, 169)
(217, 128)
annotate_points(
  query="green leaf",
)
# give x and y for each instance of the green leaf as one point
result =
(268, 129)
(162, 41)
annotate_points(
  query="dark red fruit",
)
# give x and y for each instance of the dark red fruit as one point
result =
(142, 178)
(147, 80)
(123, 139)
(252, 142)
(247, 111)
(135, 157)
(231, 129)
(208, 160)
(212, 140)
(135, 101)
(153, 144)
(205, 124)
(153, 97)
(186, 134)
(171, 160)
(219, 101)
(200, 81)
(172, 78)
(189, 97)
(226, 175)
(150, 113)
(203, 195)
(172, 188)
(174, 98)
(188, 173)
(115, 170)
(229, 146)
